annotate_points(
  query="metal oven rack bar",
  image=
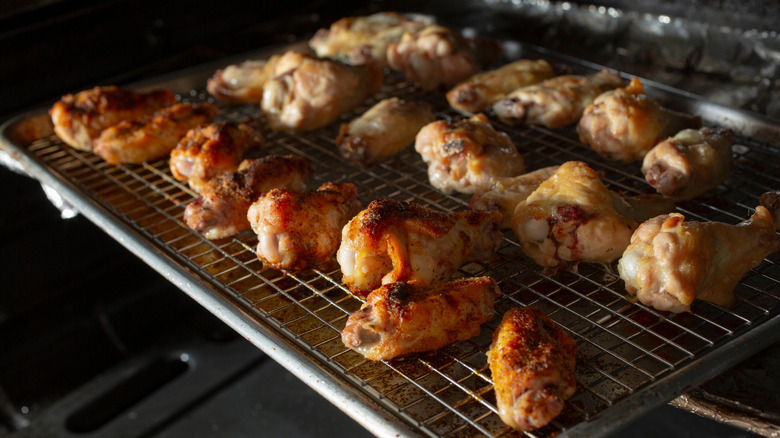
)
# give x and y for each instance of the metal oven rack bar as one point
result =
(631, 358)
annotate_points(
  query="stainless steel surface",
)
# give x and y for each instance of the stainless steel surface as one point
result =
(630, 358)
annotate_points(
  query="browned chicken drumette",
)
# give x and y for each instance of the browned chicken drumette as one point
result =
(299, 230)
(384, 130)
(532, 362)
(670, 261)
(464, 155)
(314, 92)
(152, 137)
(437, 56)
(206, 151)
(79, 119)
(393, 241)
(555, 102)
(624, 124)
(361, 40)
(221, 209)
(401, 318)
(482, 90)
(689, 164)
(572, 217)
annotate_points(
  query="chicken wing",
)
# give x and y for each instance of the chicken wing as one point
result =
(771, 201)
(624, 124)
(152, 137)
(670, 261)
(298, 230)
(556, 102)
(572, 217)
(532, 361)
(360, 40)
(437, 56)
(690, 164)
(383, 131)
(504, 193)
(394, 241)
(401, 318)
(221, 209)
(79, 119)
(464, 155)
(315, 92)
(242, 83)
(206, 151)
(482, 90)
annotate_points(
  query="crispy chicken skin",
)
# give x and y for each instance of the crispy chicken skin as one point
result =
(670, 261)
(555, 102)
(221, 209)
(504, 193)
(482, 90)
(208, 150)
(400, 318)
(532, 361)
(152, 137)
(624, 124)
(384, 130)
(299, 230)
(691, 163)
(438, 56)
(315, 92)
(572, 217)
(79, 119)
(393, 241)
(361, 40)
(464, 155)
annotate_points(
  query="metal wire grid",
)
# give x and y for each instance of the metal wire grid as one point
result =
(622, 346)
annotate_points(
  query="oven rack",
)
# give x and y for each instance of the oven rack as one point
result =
(630, 358)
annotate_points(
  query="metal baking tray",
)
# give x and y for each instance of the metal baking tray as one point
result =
(630, 358)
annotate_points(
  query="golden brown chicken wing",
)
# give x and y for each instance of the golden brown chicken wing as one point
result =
(298, 230)
(401, 318)
(79, 119)
(482, 90)
(208, 150)
(690, 164)
(221, 209)
(394, 241)
(624, 124)
(572, 217)
(556, 102)
(384, 130)
(532, 361)
(463, 156)
(670, 261)
(152, 137)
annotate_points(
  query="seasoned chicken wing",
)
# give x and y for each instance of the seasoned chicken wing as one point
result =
(464, 155)
(79, 119)
(670, 261)
(152, 137)
(394, 241)
(504, 193)
(572, 217)
(437, 56)
(221, 209)
(771, 201)
(624, 124)
(690, 164)
(482, 90)
(360, 40)
(532, 361)
(208, 150)
(556, 102)
(401, 318)
(384, 130)
(315, 92)
(242, 83)
(299, 230)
